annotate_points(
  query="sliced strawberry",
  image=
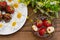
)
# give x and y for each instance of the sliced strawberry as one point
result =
(39, 24)
(42, 31)
(47, 23)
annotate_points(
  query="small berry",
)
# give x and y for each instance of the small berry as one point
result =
(47, 23)
(42, 31)
(39, 24)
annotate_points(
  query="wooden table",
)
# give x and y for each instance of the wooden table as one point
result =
(26, 32)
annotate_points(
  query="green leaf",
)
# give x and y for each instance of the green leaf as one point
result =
(43, 5)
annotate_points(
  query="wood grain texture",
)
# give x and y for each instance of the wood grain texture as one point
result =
(26, 31)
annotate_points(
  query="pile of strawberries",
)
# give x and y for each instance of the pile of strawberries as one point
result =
(6, 8)
(5, 11)
(43, 27)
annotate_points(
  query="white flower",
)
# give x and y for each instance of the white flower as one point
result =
(52, 3)
(50, 29)
(34, 27)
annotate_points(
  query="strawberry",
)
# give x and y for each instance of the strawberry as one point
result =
(7, 17)
(42, 31)
(47, 23)
(39, 24)
(9, 9)
(0, 5)
(4, 4)
(1, 16)
(12, 11)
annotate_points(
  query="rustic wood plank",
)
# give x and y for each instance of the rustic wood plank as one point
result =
(21, 36)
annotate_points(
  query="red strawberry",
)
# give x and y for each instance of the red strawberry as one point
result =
(4, 4)
(9, 9)
(47, 23)
(0, 5)
(39, 23)
(12, 11)
(42, 31)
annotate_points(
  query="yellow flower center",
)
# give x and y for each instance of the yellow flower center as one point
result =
(1, 25)
(16, 5)
(14, 24)
(19, 15)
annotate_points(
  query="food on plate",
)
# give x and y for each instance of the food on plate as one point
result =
(7, 17)
(3, 4)
(10, 17)
(9, 9)
(6, 11)
(1, 16)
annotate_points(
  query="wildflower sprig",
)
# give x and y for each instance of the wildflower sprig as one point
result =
(47, 7)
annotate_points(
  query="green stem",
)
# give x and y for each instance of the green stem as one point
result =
(43, 11)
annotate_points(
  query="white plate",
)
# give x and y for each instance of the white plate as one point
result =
(7, 28)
